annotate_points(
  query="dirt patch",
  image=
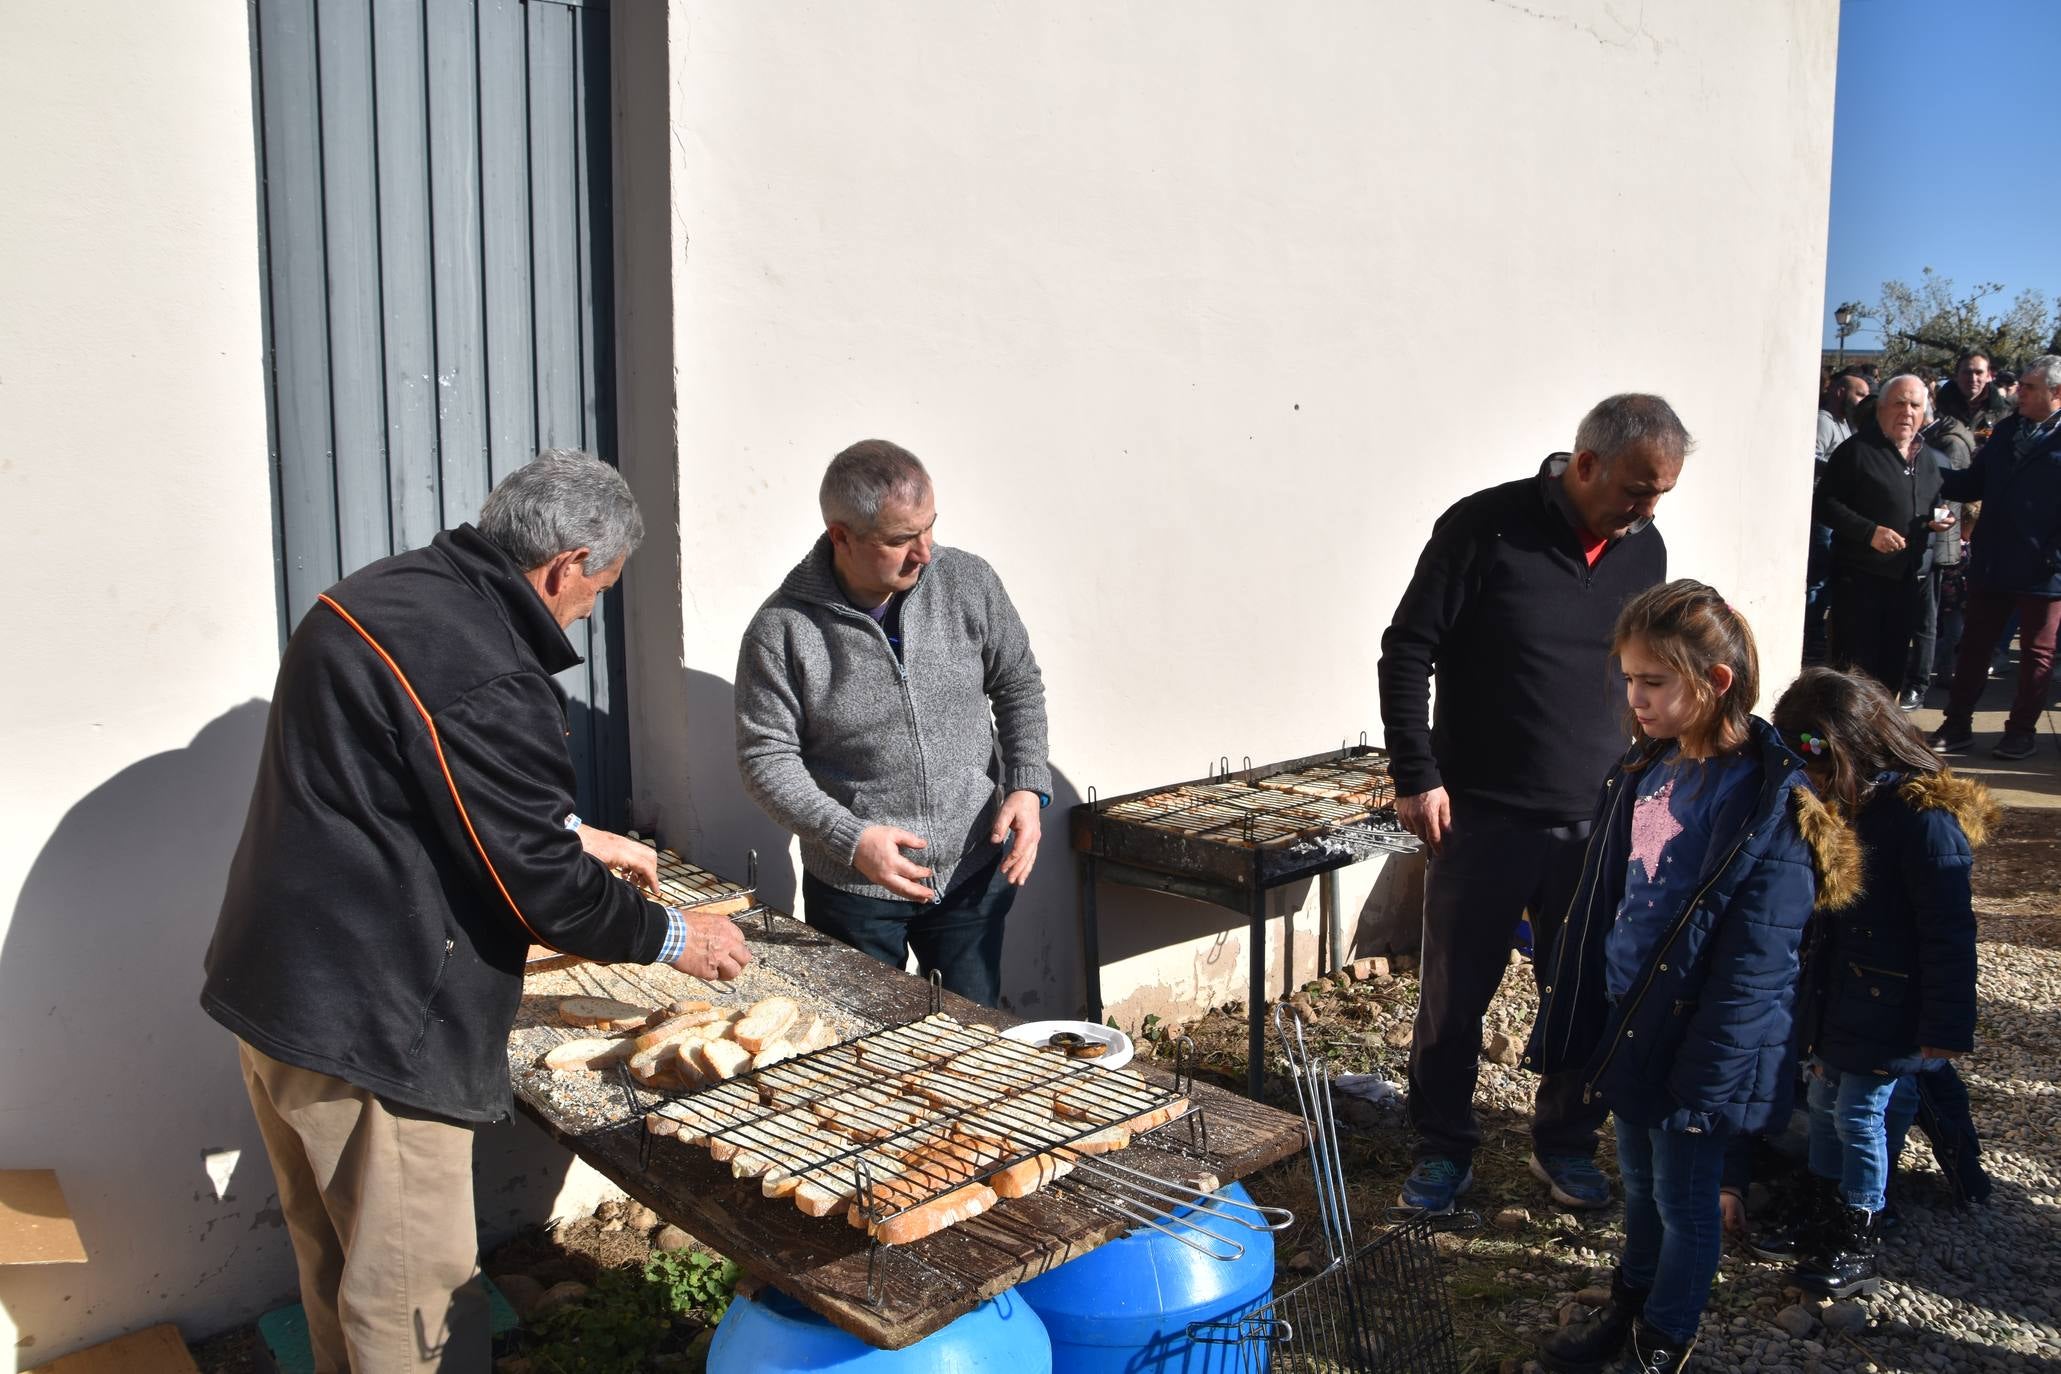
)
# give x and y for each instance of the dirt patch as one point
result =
(580, 1250)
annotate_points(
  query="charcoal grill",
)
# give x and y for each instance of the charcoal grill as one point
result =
(1231, 837)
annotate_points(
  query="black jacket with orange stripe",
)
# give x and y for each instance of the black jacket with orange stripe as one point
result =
(391, 875)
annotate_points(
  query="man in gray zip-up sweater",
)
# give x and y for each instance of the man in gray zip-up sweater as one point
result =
(891, 714)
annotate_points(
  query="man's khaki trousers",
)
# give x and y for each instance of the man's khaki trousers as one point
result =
(379, 1206)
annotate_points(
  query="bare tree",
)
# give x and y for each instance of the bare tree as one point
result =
(1929, 324)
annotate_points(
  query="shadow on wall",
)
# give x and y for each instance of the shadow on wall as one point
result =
(112, 1074)
(116, 1078)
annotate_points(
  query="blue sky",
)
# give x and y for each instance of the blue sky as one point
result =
(1931, 166)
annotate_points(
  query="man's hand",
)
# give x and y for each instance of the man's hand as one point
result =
(640, 861)
(1019, 813)
(1428, 816)
(715, 948)
(1885, 540)
(879, 856)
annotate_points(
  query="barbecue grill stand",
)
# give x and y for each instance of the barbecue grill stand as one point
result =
(1231, 870)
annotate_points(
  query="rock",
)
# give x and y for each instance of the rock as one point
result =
(1398, 1035)
(638, 1217)
(613, 1225)
(1367, 970)
(1600, 1294)
(1796, 1320)
(1501, 1049)
(672, 1238)
(609, 1209)
(1514, 1219)
(559, 1294)
(521, 1290)
(1303, 1262)
(1372, 1039)
(1342, 979)
(1569, 1311)
(1314, 986)
(1844, 1316)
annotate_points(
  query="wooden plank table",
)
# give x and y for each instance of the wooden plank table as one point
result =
(822, 1262)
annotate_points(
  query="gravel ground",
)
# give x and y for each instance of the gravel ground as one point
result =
(1975, 1289)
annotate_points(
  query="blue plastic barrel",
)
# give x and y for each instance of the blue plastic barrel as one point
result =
(771, 1333)
(1125, 1308)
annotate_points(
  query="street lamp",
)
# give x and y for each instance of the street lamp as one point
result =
(1847, 317)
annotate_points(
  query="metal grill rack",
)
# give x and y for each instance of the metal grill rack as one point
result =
(1229, 839)
(844, 1124)
(1378, 1308)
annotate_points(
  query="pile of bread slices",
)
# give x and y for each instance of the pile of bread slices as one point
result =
(681, 1047)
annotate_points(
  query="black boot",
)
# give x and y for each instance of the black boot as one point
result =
(1800, 1205)
(1656, 1352)
(1841, 1258)
(1585, 1346)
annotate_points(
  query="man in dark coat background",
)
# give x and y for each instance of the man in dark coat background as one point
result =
(2014, 562)
(1878, 494)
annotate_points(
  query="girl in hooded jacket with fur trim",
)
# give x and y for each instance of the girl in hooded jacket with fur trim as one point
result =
(1672, 984)
(1889, 983)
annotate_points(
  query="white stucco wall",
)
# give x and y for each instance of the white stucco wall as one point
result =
(1200, 314)
(144, 634)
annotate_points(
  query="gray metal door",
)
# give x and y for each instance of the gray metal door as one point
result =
(439, 293)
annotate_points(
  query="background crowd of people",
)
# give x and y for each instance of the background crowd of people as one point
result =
(1937, 537)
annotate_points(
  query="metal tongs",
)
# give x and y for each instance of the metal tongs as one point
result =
(1134, 1195)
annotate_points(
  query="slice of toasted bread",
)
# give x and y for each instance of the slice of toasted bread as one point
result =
(766, 1022)
(590, 1052)
(602, 1013)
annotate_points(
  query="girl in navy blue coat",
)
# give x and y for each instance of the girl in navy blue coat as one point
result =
(1889, 984)
(1672, 984)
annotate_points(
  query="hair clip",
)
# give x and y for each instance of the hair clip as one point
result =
(1810, 743)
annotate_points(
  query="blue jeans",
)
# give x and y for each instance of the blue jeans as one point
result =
(1858, 1124)
(960, 937)
(1673, 1228)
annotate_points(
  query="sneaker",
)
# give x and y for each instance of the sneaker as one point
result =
(2017, 744)
(1573, 1180)
(1435, 1183)
(1952, 737)
(1911, 700)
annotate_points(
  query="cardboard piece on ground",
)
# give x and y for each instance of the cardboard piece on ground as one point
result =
(35, 1225)
(154, 1350)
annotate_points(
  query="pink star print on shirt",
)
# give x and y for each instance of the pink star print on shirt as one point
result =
(1653, 825)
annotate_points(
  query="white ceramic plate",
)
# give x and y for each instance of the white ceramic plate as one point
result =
(1038, 1032)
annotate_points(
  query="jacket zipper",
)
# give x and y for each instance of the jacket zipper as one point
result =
(429, 1003)
(1560, 955)
(901, 663)
(1653, 966)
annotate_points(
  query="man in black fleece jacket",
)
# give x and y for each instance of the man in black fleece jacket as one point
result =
(410, 834)
(1512, 607)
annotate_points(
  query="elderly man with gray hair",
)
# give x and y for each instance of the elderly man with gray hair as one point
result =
(410, 836)
(891, 714)
(2014, 562)
(1879, 495)
(1511, 608)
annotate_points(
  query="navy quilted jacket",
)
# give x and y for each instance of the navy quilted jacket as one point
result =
(1700, 1043)
(1896, 970)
